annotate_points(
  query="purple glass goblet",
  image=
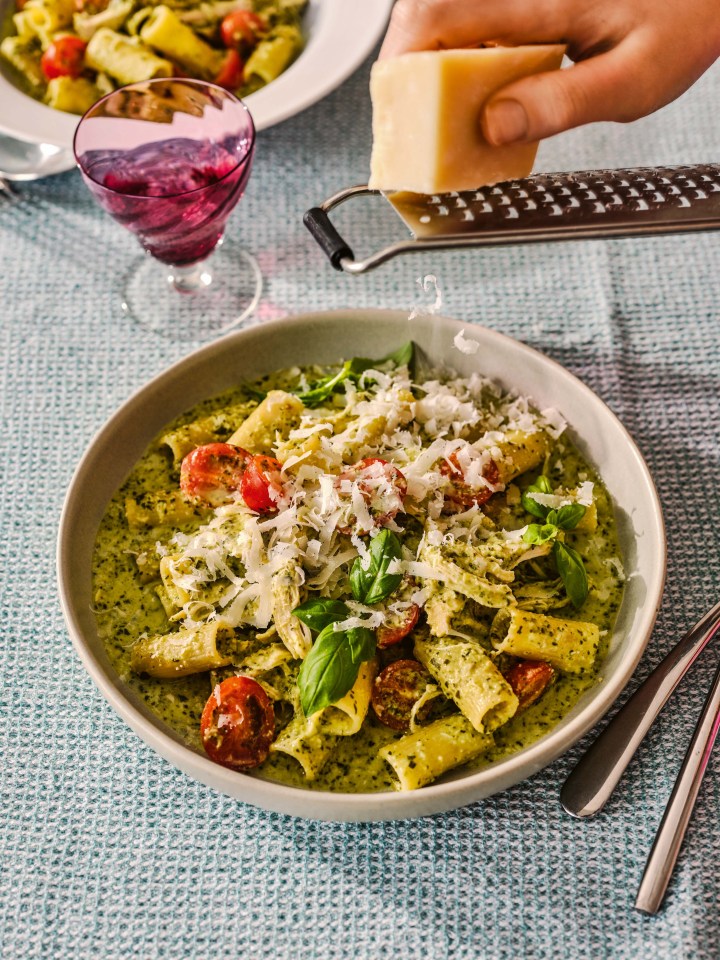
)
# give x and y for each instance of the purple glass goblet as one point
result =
(169, 159)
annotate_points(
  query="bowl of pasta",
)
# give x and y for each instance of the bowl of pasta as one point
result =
(57, 57)
(362, 588)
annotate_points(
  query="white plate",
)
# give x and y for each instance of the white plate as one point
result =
(340, 35)
(324, 338)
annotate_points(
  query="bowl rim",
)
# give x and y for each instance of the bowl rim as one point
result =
(434, 798)
(347, 33)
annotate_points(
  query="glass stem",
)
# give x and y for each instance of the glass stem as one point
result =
(191, 278)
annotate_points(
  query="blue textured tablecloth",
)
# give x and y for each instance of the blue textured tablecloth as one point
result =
(109, 852)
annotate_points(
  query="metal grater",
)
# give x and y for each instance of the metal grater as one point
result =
(593, 204)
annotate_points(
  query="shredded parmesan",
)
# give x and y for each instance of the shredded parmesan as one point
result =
(465, 345)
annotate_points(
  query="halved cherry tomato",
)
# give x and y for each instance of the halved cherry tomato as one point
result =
(238, 724)
(230, 74)
(64, 58)
(397, 626)
(529, 680)
(396, 690)
(381, 485)
(241, 26)
(463, 495)
(262, 484)
(212, 473)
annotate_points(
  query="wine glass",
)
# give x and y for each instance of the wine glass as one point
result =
(169, 159)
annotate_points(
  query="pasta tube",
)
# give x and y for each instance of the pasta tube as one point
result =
(121, 58)
(72, 94)
(16, 52)
(285, 597)
(345, 716)
(521, 452)
(165, 32)
(421, 757)
(181, 653)
(462, 581)
(43, 18)
(206, 430)
(113, 17)
(569, 645)
(469, 677)
(305, 741)
(271, 57)
(276, 415)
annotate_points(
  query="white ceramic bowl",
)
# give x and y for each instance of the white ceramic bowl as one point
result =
(340, 34)
(323, 338)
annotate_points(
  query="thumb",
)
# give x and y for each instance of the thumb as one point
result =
(600, 88)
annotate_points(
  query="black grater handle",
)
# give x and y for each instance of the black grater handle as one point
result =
(320, 226)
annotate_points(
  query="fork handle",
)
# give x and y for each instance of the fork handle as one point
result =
(591, 783)
(670, 835)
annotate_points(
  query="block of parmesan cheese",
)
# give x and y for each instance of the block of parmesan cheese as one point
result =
(427, 136)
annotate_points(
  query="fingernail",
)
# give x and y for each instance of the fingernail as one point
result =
(505, 121)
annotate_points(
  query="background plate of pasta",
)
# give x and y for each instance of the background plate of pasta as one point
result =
(361, 588)
(57, 57)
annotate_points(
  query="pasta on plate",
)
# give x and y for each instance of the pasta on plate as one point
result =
(69, 53)
(359, 578)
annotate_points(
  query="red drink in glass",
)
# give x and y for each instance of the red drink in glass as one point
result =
(169, 159)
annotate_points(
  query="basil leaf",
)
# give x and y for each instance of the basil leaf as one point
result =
(541, 485)
(540, 533)
(331, 668)
(569, 516)
(321, 611)
(376, 584)
(572, 572)
(403, 356)
(353, 370)
(324, 388)
(327, 672)
(361, 641)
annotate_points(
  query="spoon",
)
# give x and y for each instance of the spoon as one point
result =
(21, 160)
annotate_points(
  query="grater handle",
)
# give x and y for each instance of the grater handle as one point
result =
(583, 205)
(334, 246)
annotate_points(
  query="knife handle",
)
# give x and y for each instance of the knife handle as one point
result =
(591, 783)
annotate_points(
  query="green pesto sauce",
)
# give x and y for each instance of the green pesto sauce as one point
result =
(125, 608)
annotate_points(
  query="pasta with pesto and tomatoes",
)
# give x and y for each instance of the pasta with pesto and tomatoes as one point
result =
(360, 577)
(69, 53)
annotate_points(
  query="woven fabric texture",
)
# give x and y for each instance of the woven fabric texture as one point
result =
(107, 851)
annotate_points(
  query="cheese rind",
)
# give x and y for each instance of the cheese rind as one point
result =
(427, 136)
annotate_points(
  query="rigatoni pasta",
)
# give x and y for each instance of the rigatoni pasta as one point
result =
(569, 645)
(355, 578)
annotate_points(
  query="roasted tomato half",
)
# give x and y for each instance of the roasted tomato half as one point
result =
(396, 690)
(462, 495)
(397, 626)
(529, 680)
(262, 484)
(213, 473)
(238, 724)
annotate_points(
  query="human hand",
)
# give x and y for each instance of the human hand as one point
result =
(631, 56)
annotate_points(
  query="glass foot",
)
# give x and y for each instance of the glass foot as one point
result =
(198, 302)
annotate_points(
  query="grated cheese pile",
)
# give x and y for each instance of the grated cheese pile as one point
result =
(227, 570)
